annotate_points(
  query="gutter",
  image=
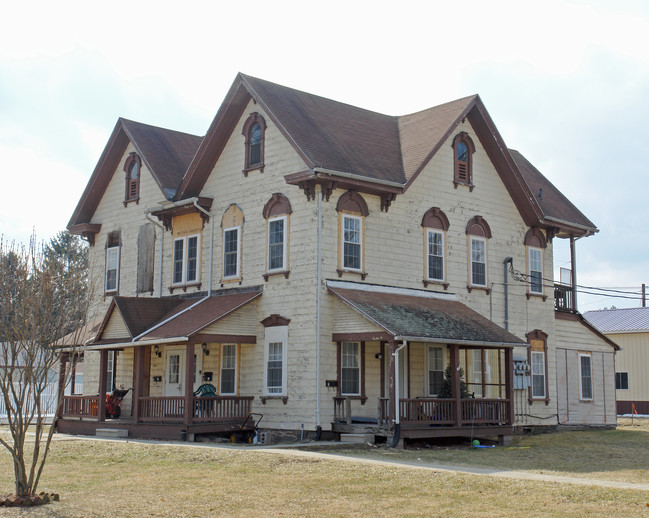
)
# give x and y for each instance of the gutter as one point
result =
(590, 230)
(122, 345)
(352, 176)
(479, 343)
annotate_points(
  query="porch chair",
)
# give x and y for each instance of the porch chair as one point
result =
(205, 390)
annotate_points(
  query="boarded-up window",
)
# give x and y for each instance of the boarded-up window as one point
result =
(145, 258)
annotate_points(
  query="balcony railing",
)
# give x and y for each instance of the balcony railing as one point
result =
(564, 299)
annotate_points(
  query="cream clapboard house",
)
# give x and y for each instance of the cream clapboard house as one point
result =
(629, 328)
(323, 265)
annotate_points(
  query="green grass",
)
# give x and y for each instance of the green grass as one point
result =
(96, 478)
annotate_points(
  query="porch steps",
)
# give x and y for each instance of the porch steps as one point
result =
(111, 432)
(357, 438)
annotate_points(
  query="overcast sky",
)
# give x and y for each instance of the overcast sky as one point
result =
(566, 82)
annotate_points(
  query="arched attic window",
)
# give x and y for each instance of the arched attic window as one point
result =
(276, 213)
(478, 232)
(435, 224)
(132, 168)
(254, 130)
(535, 243)
(463, 148)
(352, 211)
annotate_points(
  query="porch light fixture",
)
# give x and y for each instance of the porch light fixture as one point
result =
(378, 356)
(206, 351)
(156, 350)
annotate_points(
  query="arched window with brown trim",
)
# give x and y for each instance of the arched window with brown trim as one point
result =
(254, 130)
(352, 211)
(478, 232)
(435, 224)
(535, 243)
(538, 358)
(276, 213)
(132, 168)
(463, 149)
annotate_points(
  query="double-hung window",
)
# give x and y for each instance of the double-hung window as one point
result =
(185, 259)
(112, 262)
(277, 244)
(352, 242)
(435, 370)
(585, 377)
(622, 381)
(537, 359)
(231, 252)
(110, 371)
(228, 369)
(350, 369)
(435, 241)
(535, 269)
(478, 261)
(275, 357)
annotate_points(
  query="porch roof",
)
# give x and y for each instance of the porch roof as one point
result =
(149, 321)
(419, 315)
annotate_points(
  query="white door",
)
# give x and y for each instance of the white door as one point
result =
(174, 384)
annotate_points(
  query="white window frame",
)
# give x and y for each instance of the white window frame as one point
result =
(627, 380)
(581, 376)
(360, 220)
(540, 362)
(429, 357)
(482, 240)
(185, 260)
(441, 233)
(531, 251)
(284, 219)
(356, 357)
(111, 365)
(112, 263)
(273, 335)
(237, 274)
(236, 370)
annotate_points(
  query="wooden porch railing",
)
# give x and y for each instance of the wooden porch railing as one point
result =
(342, 410)
(81, 406)
(564, 298)
(430, 410)
(221, 408)
(169, 409)
(485, 411)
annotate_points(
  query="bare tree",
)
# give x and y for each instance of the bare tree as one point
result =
(44, 296)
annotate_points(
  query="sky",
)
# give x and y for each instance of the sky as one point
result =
(565, 81)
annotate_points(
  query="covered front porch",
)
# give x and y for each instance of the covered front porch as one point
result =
(178, 372)
(427, 366)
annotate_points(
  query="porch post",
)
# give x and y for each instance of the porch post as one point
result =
(509, 383)
(103, 375)
(456, 390)
(63, 359)
(139, 380)
(189, 384)
(394, 405)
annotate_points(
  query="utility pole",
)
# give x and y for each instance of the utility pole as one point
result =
(644, 296)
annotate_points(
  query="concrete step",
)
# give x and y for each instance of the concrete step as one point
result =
(111, 432)
(357, 438)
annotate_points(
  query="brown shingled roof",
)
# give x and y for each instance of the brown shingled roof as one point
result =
(423, 316)
(552, 202)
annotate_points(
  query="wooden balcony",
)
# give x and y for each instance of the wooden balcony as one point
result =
(564, 299)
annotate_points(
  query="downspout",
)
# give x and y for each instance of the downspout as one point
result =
(209, 283)
(162, 240)
(397, 424)
(508, 260)
(318, 311)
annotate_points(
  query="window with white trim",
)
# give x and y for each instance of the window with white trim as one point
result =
(435, 369)
(186, 259)
(111, 368)
(231, 252)
(478, 261)
(275, 355)
(228, 369)
(352, 242)
(435, 241)
(535, 269)
(277, 244)
(350, 369)
(537, 359)
(585, 377)
(112, 262)
(622, 381)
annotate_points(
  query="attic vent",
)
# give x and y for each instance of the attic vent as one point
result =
(540, 194)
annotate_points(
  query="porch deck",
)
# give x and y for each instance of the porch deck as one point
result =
(157, 417)
(430, 417)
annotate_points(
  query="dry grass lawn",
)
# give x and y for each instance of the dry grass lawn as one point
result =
(96, 478)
